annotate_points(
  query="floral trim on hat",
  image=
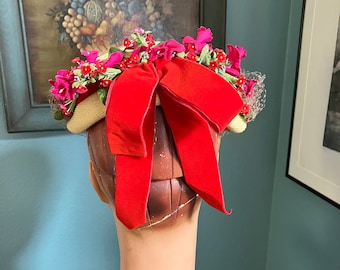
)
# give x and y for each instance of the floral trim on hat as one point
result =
(73, 85)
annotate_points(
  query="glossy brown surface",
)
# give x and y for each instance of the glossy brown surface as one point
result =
(170, 199)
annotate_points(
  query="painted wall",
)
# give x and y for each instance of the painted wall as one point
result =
(51, 219)
(239, 242)
(305, 229)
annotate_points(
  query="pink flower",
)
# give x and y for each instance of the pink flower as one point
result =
(166, 50)
(204, 35)
(91, 56)
(65, 74)
(62, 86)
(139, 30)
(114, 59)
(62, 89)
(235, 54)
(248, 87)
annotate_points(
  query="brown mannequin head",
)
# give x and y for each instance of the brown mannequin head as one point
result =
(170, 199)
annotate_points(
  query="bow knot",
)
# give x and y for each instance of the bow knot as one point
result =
(193, 99)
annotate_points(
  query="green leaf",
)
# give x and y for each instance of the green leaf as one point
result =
(180, 54)
(102, 94)
(114, 49)
(115, 71)
(228, 77)
(58, 115)
(77, 72)
(76, 84)
(140, 39)
(205, 56)
(134, 36)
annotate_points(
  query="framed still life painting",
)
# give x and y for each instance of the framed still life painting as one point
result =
(39, 37)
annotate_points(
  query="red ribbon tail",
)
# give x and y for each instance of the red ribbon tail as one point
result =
(133, 178)
(196, 150)
(130, 131)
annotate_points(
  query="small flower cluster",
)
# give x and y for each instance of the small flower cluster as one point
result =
(141, 47)
(69, 85)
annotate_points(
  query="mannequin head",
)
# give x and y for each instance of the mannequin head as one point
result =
(170, 198)
(134, 152)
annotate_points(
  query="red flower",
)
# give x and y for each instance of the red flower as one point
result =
(128, 63)
(93, 73)
(241, 81)
(150, 40)
(190, 47)
(191, 56)
(81, 89)
(85, 69)
(135, 58)
(66, 113)
(128, 44)
(105, 83)
(100, 67)
(75, 60)
(220, 55)
(246, 109)
(122, 66)
(213, 65)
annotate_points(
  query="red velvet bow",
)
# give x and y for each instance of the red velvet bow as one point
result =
(192, 98)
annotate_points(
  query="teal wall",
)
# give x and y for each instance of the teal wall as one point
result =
(247, 162)
(305, 229)
(50, 218)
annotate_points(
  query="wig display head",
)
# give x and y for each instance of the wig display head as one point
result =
(154, 113)
(170, 199)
